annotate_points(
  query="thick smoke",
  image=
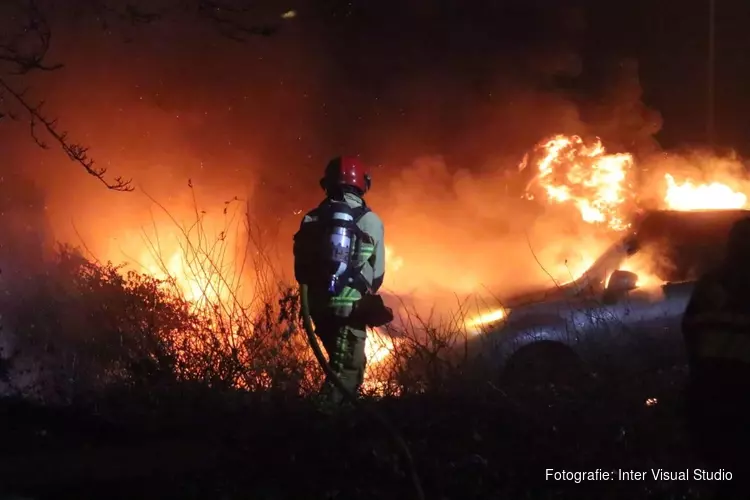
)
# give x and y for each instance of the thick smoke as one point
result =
(466, 229)
(445, 115)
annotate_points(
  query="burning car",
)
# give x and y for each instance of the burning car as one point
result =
(621, 240)
(624, 310)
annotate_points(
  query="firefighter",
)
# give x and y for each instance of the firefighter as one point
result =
(716, 329)
(339, 254)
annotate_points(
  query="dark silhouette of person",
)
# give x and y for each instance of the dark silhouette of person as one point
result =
(716, 329)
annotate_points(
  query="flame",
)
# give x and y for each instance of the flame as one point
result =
(585, 176)
(474, 324)
(601, 187)
(646, 279)
(199, 254)
(568, 271)
(707, 196)
(488, 317)
(570, 171)
(378, 346)
(195, 281)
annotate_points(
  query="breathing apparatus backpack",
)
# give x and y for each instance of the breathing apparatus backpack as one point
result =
(340, 247)
(324, 252)
(325, 249)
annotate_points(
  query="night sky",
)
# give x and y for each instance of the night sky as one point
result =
(476, 83)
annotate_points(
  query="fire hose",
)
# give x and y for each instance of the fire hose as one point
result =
(398, 441)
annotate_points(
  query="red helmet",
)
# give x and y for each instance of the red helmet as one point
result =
(346, 171)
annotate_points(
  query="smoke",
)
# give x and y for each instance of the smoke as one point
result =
(445, 115)
(465, 228)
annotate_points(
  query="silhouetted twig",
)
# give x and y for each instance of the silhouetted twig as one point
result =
(75, 151)
(24, 50)
(229, 20)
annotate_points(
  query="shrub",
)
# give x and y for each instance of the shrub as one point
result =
(80, 327)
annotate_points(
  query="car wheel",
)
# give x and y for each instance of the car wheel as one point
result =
(543, 367)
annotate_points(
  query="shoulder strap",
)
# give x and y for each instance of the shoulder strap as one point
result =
(360, 212)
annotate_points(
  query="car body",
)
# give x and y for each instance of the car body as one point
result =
(604, 319)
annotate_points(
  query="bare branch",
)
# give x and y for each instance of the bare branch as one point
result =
(25, 49)
(128, 12)
(228, 20)
(76, 152)
(236, 22)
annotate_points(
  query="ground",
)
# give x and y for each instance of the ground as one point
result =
(471, 443)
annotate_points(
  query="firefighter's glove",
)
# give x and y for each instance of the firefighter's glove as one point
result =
(372, 311)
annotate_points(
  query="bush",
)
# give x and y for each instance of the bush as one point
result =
(82, 327)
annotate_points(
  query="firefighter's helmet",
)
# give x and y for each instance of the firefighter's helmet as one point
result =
(346, 171)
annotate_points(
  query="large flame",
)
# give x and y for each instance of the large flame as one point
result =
(707, 196)
(202, 260)
(194, 278)
(600, 186)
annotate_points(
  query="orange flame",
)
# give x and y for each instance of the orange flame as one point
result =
(194, 282)
(708, 196)
(600, 187)
(476, 323)
(584, 175)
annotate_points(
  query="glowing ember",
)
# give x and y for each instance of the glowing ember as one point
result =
(584, 175)
(691, 196)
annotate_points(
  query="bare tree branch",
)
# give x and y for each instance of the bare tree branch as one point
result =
(23, 52)
(24, 49)
(76, 152)
(236, 20)
(229, 20)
